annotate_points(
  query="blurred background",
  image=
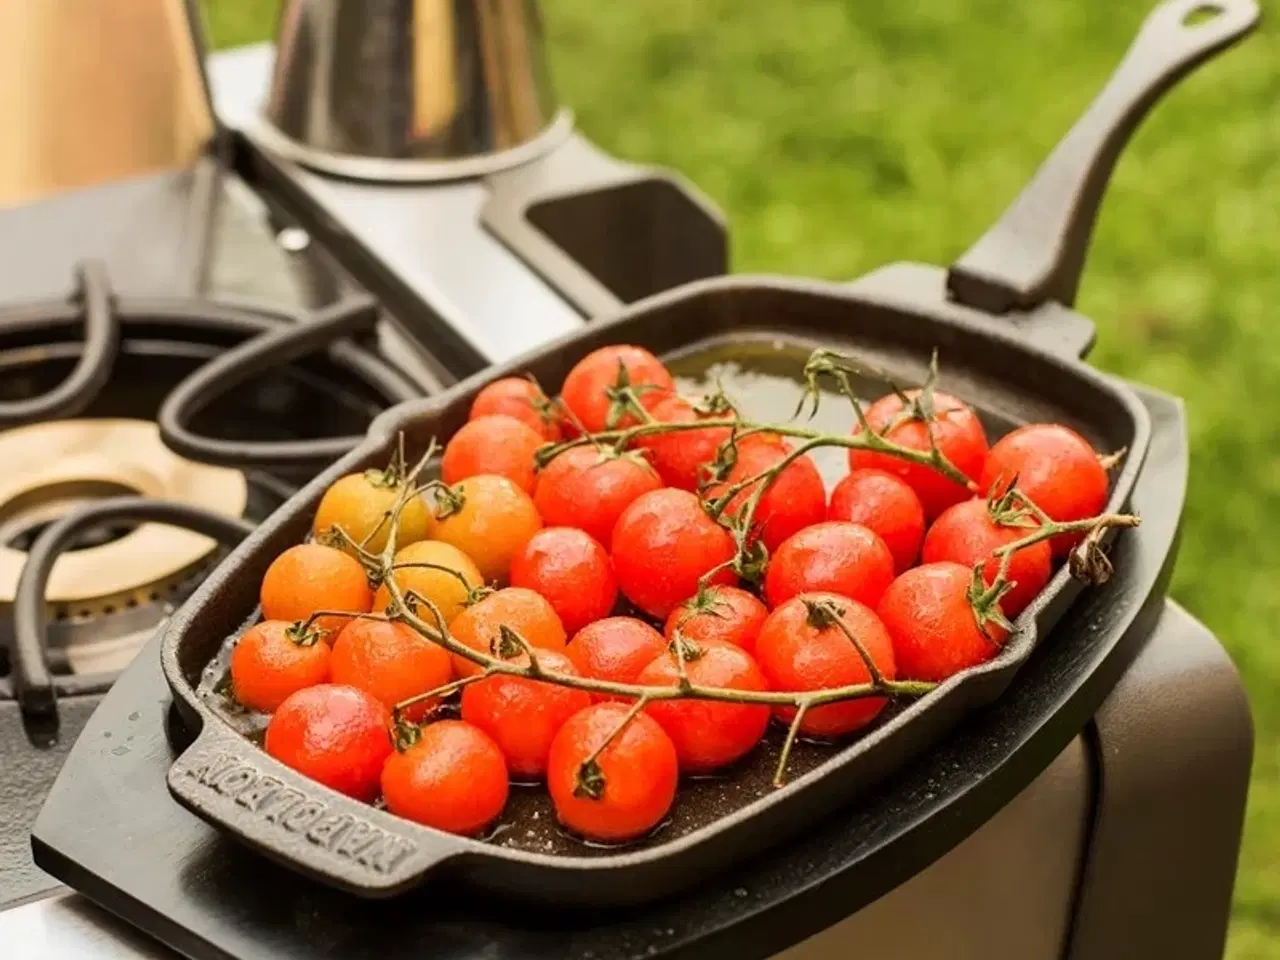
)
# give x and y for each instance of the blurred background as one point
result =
(840, 135)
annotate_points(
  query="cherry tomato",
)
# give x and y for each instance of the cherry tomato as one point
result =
(447, 581)
(488, 518)
(588, 387)
(629, 787)
(966, 534)
(312, 577)
(885, 505)
(391, 661)
(615, 649)
(800, 649)
(521, 399)
(708, 734)
(496, 444)
(957, 431)
(796, 499)
(929, 613)
(360, 505)
(724, 614)
(453, 778)
(663, 544)
(338, 736)
(1056, 468)
(527, 613)
(680, 457)
(274, 659)
(832, 557)
(522, 715)
(572, 571)
(589, 488)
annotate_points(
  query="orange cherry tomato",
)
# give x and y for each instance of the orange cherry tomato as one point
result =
(360, 505)
(274, 659)
(312, 577)
(488, 518)
(453, 778)
(627, 789)
(522, 715)
(338, 736)
(440, 572)
(390, 661)
(495, 444)
(523, 611)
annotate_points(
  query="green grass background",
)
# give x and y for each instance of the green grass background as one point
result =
(840, 134)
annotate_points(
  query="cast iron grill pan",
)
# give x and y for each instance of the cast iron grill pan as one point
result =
(1015, 366)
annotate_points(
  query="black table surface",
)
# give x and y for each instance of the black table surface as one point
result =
(111, 830)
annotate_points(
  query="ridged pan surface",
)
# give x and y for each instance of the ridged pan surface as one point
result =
(994, 320)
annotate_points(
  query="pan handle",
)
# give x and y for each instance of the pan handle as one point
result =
(1036, 251)
(228, 781)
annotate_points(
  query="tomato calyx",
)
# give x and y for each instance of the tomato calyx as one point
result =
(985, 602)
(685, 649)
(715, 404)
(1011, 508)
(1088, 560)
(589, 783)
(404, 735)
(449, 500)
(624, 397)
(822, 614)
(304, 633)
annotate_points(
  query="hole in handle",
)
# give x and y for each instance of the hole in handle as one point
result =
(1202, 14)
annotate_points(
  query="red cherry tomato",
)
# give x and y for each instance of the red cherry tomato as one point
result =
(522, 715)
(680, 457)
(800, 649)
(796, 499)
(929, 614)
(966, 534)
(832, 557)
(615, 649)
(724, 614)
(587, 388)
(493, 444)
(338, 736)
(390, 661)
(1056, 468)
(588, 489)
(663, 544)
(453, 778)
(885, 505)
(629, 787)
(570, 569)
(708, 734)
(957, 431)
(274, 659)
(523, 400)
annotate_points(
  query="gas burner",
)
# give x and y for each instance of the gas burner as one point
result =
(116, 365)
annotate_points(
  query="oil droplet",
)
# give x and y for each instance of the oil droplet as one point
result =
(106, 735)
(120, 751)
(740, 892)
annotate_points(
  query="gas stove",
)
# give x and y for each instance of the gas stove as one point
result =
(1057, 797)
